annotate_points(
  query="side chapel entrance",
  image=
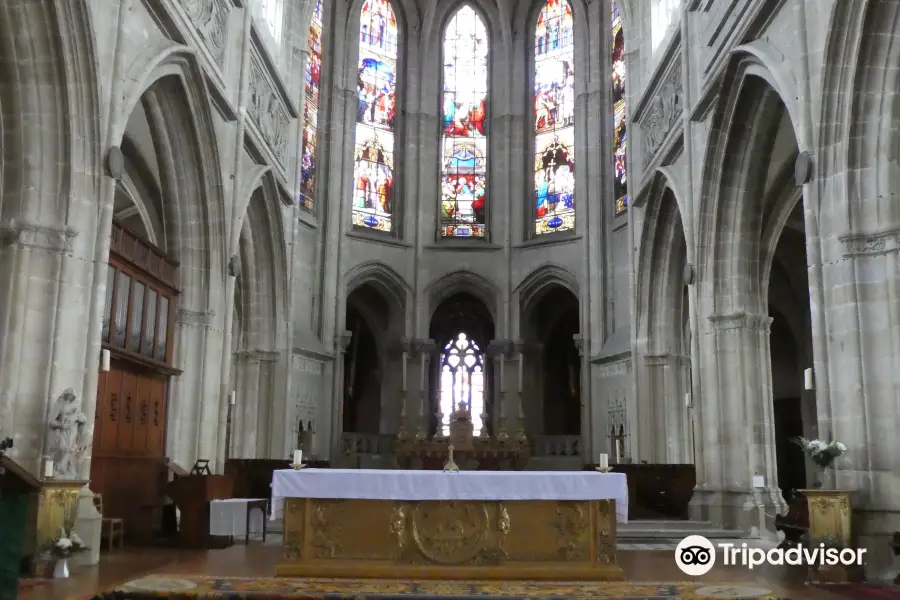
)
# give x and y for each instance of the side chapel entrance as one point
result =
(128, 466)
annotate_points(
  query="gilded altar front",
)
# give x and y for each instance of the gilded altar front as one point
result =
(511, 539)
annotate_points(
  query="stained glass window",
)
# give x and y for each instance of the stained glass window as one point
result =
(464, 138)
(620, 135)
(309, 148)
(554, 118)
(462, 381)
(376, 85)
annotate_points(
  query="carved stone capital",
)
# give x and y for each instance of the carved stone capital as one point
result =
(343, 341)
(741, 320)
(498, 348)
(613, 369)
(256, 355)
(421, 346)
(55, 240)
(886, 242)
(580, 343)
(194, 318)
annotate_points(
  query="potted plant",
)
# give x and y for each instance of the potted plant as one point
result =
(822, 453)
(62, 549)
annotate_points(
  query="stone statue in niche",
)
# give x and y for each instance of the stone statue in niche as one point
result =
(66, 424)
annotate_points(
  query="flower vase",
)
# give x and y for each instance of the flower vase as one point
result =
(61, 569)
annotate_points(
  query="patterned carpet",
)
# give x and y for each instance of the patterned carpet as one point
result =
(196, 588)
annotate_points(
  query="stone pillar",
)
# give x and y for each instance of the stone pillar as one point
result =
(736, 424)
(342, 343)
(245, 414)
(665, 426)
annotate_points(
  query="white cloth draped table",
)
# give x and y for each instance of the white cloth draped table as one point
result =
(375, 484)
(230, 517)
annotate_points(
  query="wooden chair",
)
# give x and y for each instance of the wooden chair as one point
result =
(112, 528)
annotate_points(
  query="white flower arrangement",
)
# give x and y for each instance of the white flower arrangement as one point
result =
(67, 544)
(822, 453)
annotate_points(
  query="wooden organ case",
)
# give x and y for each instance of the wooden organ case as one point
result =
(129, 465)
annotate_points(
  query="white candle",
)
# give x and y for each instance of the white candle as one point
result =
(807, 379)
(104, 360)
(520, 373)
(403, 381)
(232, 398)
(604, 461)
(422, 374)
(298, 457)
(48, 468)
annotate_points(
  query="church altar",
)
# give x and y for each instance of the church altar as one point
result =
(558, 525)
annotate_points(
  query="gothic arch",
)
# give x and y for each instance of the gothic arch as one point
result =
(462, 281)
(540, 281)
(389, 284)
(744, 129)
(527, 13)
(751, 76)
(438, 15)
(661, 262)
(174, 94)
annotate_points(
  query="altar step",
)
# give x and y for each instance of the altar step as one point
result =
(666, 530)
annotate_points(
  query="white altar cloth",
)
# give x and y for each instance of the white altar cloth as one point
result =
(229, 518)
(376, 484)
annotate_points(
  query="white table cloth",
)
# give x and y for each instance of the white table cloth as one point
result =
(229, 517)
(373, 484)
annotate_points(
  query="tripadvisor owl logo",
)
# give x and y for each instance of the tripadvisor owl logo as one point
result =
(695, 555)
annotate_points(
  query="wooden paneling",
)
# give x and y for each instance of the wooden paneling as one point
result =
(132, 490)
(131, 412)
(658, 490)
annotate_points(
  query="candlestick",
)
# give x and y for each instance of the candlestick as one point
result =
(404, 360)
(402, 434)
(520, 372)
(421, 434)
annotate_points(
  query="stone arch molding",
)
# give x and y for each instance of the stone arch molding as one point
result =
(456, 282)
(540, 281)
(727, 171)
(851, 139)
(389, 284)
(659, 239)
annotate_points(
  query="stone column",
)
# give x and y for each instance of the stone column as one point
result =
(735, 422)
(342, 343)
(500, 414)
(664, 428)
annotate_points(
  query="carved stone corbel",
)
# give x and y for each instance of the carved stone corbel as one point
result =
(343, 341)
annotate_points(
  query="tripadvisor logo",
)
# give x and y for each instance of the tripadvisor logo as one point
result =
(818, 555)
(695, 555)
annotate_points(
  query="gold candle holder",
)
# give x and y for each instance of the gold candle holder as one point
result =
(403, 434)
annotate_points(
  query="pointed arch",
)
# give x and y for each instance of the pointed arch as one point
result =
(540, 281)
(309, 149)
(554, 118)
(620, 116)
(463, 281)
(374, 171)
(464, 125)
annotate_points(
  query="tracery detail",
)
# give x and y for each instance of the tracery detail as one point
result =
(309, 145)
(464, 135)
(554, 118)
(620, 134)
(462, 380)
(373, 170)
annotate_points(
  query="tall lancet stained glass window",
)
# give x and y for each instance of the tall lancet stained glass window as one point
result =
(462, 381)
(464, 138)
(376, 85)
(620, 134)
(554, 118)
(309, 146)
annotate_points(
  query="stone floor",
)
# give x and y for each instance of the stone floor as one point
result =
(258, 559)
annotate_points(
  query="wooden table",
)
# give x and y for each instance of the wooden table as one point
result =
(454, 539)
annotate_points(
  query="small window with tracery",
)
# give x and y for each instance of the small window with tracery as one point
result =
(462, 381)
